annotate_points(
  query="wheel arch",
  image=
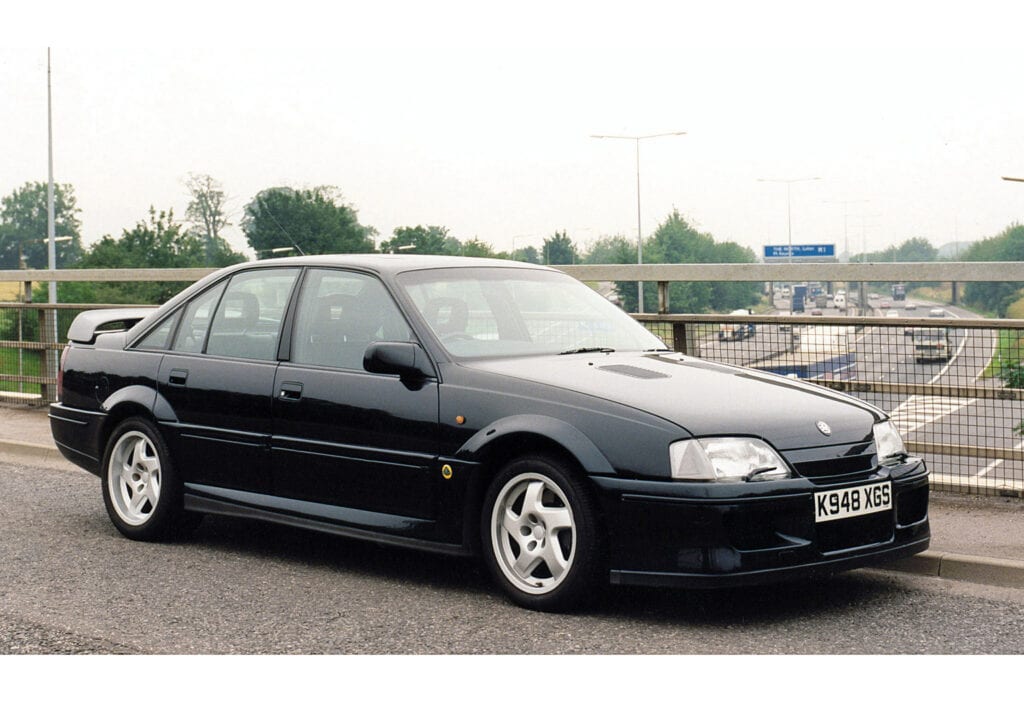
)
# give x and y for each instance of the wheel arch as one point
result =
(511, 437)
(133, 401)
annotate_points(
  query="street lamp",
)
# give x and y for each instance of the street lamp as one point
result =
(789, 208)
(639, 236)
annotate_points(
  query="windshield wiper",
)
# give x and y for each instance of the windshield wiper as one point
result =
(588, 349)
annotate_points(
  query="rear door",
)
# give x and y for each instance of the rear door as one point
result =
(218, 377)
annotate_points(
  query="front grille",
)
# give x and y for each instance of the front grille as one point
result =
(842, 467)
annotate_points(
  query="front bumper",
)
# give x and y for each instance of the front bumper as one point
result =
(721, 535)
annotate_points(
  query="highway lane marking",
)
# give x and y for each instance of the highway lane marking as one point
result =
(917, 411)
(996, 463)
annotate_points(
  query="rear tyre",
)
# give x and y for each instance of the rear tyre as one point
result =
(542, 539)
(141, 490)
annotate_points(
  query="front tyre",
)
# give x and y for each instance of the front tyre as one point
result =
(141, 490)
(541, 536)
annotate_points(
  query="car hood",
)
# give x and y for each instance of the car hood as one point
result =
(704, 398)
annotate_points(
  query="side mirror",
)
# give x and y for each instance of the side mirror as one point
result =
(400, 358)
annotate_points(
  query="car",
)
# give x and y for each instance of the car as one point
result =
(910, 305)
(885, 304)
(816, 312)
(932, 344)
(936, 312)
(892, 313)
(480, 408)
(736, 331)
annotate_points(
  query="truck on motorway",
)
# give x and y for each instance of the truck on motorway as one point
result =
(735, 331)
(823, 353)
(797, 302)
(899, 292)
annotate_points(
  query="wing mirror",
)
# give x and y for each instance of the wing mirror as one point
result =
(400, 358)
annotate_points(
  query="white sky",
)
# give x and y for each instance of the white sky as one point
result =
(479, 119)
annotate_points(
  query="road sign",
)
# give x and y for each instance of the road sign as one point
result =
(802, 251)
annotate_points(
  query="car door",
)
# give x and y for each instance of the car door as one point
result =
(342, 436)
(218, 376)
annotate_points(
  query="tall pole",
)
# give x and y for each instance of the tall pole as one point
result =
(639, 233)
(789, 205)
(51, 247)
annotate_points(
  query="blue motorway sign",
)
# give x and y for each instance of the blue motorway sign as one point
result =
(800, 251)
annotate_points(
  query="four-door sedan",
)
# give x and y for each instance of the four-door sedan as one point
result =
(472, 406)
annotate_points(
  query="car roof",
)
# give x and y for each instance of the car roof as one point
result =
(392, 263)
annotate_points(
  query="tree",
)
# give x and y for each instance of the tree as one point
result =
(611, 250)
(159, 243)
(206, 211)
(422, 240)
(23, 224)
(675, 241)
(914, 250)
(481, 249)
(559, 250)
(528, 255)
(313, 221)
(1006, 246)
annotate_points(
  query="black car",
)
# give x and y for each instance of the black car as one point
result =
(477, 406)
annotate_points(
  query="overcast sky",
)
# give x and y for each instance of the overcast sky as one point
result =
(453, 115)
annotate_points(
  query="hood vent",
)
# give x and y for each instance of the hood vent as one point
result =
(633, 372)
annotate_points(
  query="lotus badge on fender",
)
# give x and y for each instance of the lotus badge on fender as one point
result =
(824, 428)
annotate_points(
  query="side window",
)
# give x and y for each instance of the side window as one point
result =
(340, 313)
(196, 321)
(247, 323)
(156, 340)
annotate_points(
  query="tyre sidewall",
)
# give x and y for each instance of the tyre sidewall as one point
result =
(168, 510)
(587, 575)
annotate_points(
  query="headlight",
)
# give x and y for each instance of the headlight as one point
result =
(729, 458)
(888, 443)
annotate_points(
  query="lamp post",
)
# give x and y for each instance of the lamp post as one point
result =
(639, 235)
(789, 204)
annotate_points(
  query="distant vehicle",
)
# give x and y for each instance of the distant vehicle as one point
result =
(932, 344)
(884, 304)
(797, 304)
(911, 305)
(899, 292)
(816, 312)
(839, 300)
(936, 312)
(873, 296)
(892, 313)
(736, 331)
(824, 353)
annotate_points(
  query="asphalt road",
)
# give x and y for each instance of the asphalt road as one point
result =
(69, 583)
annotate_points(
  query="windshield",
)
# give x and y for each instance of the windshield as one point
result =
(487, 312)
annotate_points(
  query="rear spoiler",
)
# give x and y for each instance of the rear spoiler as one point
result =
(88, 325)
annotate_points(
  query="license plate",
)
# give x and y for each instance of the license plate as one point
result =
(852, 502)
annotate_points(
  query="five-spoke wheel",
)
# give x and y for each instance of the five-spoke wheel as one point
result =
(141, 491)
(541, 535)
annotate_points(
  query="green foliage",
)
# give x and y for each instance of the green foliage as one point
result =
(159, 243)
(675, 241)
(914, 250)
(23, 220)
(559, 250)
(527, 255)
(1006, 246)
(480, 249)
(313, 221)
(422, 240)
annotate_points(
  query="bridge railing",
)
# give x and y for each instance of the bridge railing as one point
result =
(951, 383)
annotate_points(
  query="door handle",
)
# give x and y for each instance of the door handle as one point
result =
(290, 391)
(178, 376)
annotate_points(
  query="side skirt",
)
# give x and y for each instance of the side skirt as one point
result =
(316, 517)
